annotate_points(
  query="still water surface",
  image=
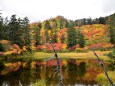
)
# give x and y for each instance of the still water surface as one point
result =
(75, 73)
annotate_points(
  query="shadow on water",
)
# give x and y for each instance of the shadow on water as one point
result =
(75, 73)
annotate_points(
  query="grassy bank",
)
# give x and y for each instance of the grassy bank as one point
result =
(73, 55)
(44, 55)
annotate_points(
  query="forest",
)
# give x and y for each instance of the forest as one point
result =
(64, 33)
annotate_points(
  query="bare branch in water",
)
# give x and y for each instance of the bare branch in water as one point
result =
(101, 63)
(58, 69)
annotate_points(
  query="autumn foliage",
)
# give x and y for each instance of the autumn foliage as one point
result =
(95, 35)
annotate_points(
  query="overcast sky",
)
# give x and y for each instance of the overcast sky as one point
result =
(39, 10)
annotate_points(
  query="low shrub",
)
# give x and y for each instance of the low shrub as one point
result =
(112, 54)
(112, 61)
(39, 83)
(102, 79)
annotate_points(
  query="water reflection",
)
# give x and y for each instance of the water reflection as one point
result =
(75, 72)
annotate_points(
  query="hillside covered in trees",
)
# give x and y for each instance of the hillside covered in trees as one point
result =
(65, 34)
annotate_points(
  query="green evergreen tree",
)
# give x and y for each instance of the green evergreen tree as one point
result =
(21, 33)
(14, 32)
(102, 20)
(89, 21)
(72, 35)
(84, 21)
(5, 28)
(112, 29)
(37, 34)
(26, 31)
(1, 28)
(80, 39)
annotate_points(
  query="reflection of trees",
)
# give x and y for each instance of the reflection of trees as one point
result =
(28, 76)
(1, 66)
(38, 71)
(82, 69)
(12, 79)
(24, 76)
(50, 75)
(72, 72)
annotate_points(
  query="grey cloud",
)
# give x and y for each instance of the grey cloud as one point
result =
(108, 6)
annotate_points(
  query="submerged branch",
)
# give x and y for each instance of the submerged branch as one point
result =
(105, 71)
(58, 69)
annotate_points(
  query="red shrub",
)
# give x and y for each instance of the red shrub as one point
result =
(57, 46)
(1, 53)
(101, 45)
(39, 47)
(96, 46)
(16, 46)
(48, 47)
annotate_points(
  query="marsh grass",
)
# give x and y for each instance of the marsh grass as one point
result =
(102, 80)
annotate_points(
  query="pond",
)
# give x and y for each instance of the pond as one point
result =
(75, 73)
